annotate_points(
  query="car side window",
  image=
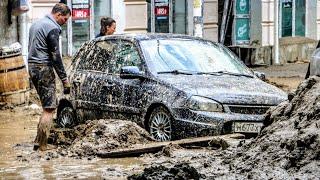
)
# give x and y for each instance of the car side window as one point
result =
(126, 54)
(97, 56)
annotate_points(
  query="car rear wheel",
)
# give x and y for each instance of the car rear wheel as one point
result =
(160, 124)
(66, 118)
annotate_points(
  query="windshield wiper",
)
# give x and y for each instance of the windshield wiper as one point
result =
(225, 72)
(176, 71)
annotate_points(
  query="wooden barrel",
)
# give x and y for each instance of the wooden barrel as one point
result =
(14, 79)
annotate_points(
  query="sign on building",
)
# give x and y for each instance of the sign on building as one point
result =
(241, 34)
(80, 9)
(161, 9)
(80, 22)
(161, 15)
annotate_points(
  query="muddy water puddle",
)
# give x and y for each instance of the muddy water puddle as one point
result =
(69, 168)
(18, 160)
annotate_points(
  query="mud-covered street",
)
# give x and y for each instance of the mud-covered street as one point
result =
(287, 148)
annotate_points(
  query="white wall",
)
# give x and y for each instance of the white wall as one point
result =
(256, 24)
(210, 20)
(135, 16)
(118, 14)
(318, 19)
(267, 22)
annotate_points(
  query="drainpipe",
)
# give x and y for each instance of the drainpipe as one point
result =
(69, 30)
(24, 20)
(276, 32)
(23, 35)
(198, 18)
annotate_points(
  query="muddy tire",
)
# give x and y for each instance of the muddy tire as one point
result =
(66, 118)
(160, 124)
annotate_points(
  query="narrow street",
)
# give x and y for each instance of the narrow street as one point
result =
(287, 77)
(159, 89)
(18, 160)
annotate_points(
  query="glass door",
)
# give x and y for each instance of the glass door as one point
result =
(300, 18)
(80, 23)
(286, 23)
(167, 16)
(179, 18)
(102, 8)
(293, 17)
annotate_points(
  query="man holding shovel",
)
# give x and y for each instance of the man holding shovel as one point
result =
(43, 57)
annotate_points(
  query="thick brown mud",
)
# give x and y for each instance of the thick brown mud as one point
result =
(289, 145)
(287, 148)
(179, 171)
(18, 160)
(98, 135)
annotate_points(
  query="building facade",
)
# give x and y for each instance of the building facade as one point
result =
(132, 16)
(247, 24)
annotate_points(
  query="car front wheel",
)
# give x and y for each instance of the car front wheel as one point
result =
(66, 118)
(160, 124)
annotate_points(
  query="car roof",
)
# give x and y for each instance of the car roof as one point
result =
(147, 36)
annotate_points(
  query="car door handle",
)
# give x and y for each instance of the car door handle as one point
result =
(77, 80)
(108, 84)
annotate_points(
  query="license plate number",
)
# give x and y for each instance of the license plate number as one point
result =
(247, 127)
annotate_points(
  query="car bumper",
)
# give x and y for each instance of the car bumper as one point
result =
(190, 123)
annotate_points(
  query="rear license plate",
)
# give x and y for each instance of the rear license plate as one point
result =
(247, 127)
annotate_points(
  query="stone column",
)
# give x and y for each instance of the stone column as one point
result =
(267, 22)
(318, 19)
(136, 20)
(210, 20)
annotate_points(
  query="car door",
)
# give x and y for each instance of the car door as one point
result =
(128, 104)
(90, 80)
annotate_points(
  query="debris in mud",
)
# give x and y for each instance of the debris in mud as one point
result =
(167, 147)
(179, 171)
(94, 136)
(169, 150)
(289, 145)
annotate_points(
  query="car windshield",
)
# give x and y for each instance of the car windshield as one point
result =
(191, 56)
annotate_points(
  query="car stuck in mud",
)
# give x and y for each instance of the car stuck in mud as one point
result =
(174, 86)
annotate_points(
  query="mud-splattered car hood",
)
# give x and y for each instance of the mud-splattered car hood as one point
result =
(228, 89)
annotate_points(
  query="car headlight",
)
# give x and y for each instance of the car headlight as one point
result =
(199, 103)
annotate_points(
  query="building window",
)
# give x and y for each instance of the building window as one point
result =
(293, 17)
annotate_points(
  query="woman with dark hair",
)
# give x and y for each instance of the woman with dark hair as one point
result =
(108, 26)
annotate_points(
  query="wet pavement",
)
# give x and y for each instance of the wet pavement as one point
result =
(18, 160)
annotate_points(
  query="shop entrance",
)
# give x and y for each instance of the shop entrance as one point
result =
(168, 16)
(84, 24)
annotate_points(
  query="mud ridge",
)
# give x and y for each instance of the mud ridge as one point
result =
(289, 145)
(179, 171)
(88, 139)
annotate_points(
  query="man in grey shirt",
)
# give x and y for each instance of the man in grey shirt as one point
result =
(44, 56)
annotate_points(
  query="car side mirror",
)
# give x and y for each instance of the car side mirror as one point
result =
(131, 72)
(260, 75)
